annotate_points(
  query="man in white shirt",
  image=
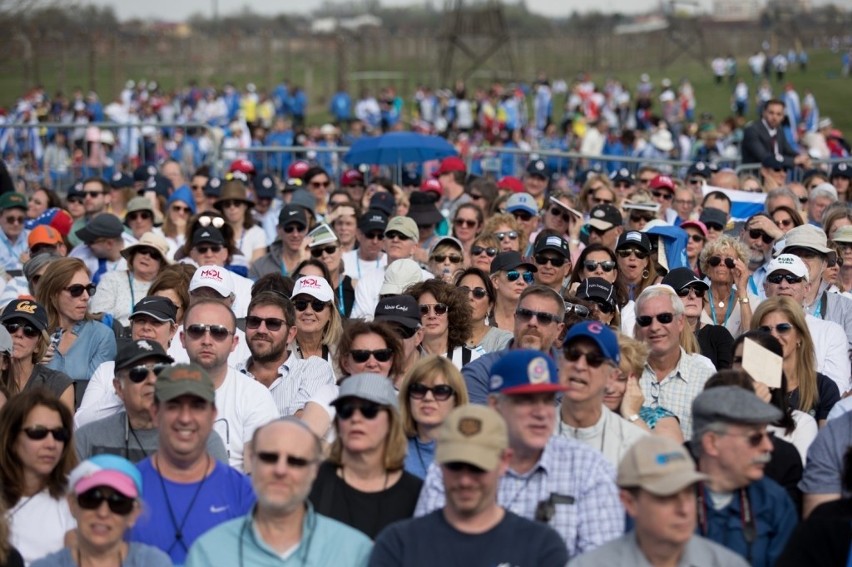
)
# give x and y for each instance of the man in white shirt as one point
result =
(368, 258)
(102, 244)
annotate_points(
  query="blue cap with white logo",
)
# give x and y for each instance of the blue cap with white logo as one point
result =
(525, 371)
(600, 334)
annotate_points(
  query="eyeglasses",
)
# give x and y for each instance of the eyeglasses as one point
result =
(715, 227)
(437, 308)
(513, 275)
(606, 265)
(784, 223)
(92, 194)
(834, 261)
(477, 292)
(598, 201)
(511, 235)
(477, 250)
(646, 320)
(697, 238)
(803, 200)
(755, 234)
(778, 278)
(627, 252)
(466, 223)
(394, 235)
(593, 359)
(556, 262)
(381, 355)
(217, 222)
(522, 216)
(526, 315)
(467, 468)
(404, 332)
(77, 290)
(272, 323)
(316, 305)
(557, 212)
(14, 220)
(294, 227)
(780, 328)
(144, 215)
(580, 310)
(214, 248)
(714, 261)
(118, 503)
(218, 332)
(322, 184)
(37, 433)
(640, 218)
(29, 330)
(375, 236)
(666, 196)
(318, 251)
(139, 374)
(441, 258)
(475, 196)
(369, 410)
(441, 392)
(753, 439)
(684, 291)
(273, 458)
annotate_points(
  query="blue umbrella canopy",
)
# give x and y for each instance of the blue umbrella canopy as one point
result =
(398, 148)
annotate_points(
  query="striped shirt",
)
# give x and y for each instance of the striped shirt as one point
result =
(297, 382)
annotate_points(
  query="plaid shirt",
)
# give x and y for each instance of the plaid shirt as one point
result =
(676, 391)
(298, 380)
(589, 516)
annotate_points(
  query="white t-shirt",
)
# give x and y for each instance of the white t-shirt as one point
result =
(37, 525)
(238, 355)
(367, 294)
(831, 349)
(357, 269)
(251, 240)
(802, 437)
(612, 435)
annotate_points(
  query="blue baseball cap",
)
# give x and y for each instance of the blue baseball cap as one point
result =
(525, 371)
(598, 333)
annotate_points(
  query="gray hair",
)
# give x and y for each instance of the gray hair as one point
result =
(780, 192)
(702, 428)
(660, 290)
(37, 262)
(824, 190)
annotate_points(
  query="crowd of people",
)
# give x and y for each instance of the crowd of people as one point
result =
(315, 368)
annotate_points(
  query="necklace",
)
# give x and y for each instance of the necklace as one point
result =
(80, 558)
(172, 516)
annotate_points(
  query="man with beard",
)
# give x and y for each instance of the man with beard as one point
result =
(759, 234)
(293, 381)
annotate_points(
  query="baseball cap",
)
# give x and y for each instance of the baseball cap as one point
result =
(598, 290)
(699, 168)
(449, 241)
(213, 187)
(120, 180)
(242, 165)
(399, 275)
(448, 164)
(28, 310)
(404, 225)
(292, 184)
(662, 182)
(368, 386)
(264, 186)
(107, 470)
(622, 175)
(509, 261)
(104, 225)
(314, 286)
(524, 371)
(787, 263)
(773, 161)
(843, 234)
(12, 200)
(298, 169)
(143, 172)
(731, 404)
(423, 211)
(432, 185)
(43, 234)
(130, 352)
(373, 220)
(215, 277)
(522, 202)
(159, 308)
(208, 234)
(679, 278)
(712, 216)
(383, 201)
(553, 243)
(184, 379)
(292, 214)
(806, 236)
(605, 217)
(304, 199)
(540, 168)
(697, 224)
(472, 434)
(511, 183)
(402, 309)
(659, 465)
(841, 170)
(634, 238)
(351, 177)
(600, 334)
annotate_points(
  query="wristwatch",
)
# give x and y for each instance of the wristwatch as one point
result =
(633, 418)
(743, 300)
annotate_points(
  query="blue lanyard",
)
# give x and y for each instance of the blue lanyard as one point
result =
(713, 307)
(340, 307)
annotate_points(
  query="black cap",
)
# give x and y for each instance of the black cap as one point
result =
(402, 309)
(76, 190)
(540, 168)
(505, 261)
(159, 185)
(622, 174)
(213, 187)
(596, 289)
(423, 209)
(264, 186)
(605, 217)
(292, 184)
(143, 172)
(373, 220)
(120, 180)
(385, 202)
(293, 214)
(28, 310)
(104, 225)
(159, 308)
(710, 215)
(553, 243)
(699, 168)
(634, 238)
(773, 161)
(841, 170)
(679, 278)
(130, 352)
(208, 234)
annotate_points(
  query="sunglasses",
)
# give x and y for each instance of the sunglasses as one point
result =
(294, 227)
(272, 323)
(593, 359)
(640, 218)
(218, 332)
(557, 212)
(753, 439)
(375, 236)
(522, 216)
(695, 181)
(466, 223)
(463, 467)
(394, 235)
(144, 215)
(513, 275)
(661, 195)
(92, 194)
(118, 503)
(511, 235)
(441, 258)
(715, 227)
(369, 410)
(214, 248)
(14, 220)
(646, 320)
(803, 200)
(714, 261)
(755, 234)
(526, 315)
(273, 458)
(475, 196)
(77, 290)
(318, 252)
(697, 238)
(477, 250)
(784, 223)
(139, 374)
(622, 185)
(778, 278)
(606, 266)
(441, 392)
(29, 330)
(780, 328)
(437, 308)
(320, 183)
(684, 292)
(197, 187)
(477, 292)
(580, 310)
(627, 252)
(404, 332)
(598, 201)
(542, 260)
(231, 204)
(38, 433)
(217, 222)
(302, 304)
(381, 355)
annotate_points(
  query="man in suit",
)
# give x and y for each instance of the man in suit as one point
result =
(766, 137)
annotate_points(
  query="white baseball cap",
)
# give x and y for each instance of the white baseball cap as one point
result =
(216, 278)
(788, 263)
(314, 286)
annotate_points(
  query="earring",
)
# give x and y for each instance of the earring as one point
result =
(645, 274)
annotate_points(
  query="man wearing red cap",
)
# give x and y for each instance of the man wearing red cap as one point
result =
(452, 173)
(663, 190)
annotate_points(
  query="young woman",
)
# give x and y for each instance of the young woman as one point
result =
(318, 323)
(344, 222)
(446, 258)
(467, 225)
(330, 254)
(370, 347)
(480, 291)
(786, 218)
(179, 208)
(633, 254)
(510, 276)
(697, 233)
(234, 205)
(482, 252)
(445, 314)
(507, 231)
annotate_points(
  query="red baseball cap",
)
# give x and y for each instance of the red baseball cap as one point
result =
(242, 165)
(452, 163)
(432, 185)
(351, 177)
(662, 182)
(298, 169)
(512, 184)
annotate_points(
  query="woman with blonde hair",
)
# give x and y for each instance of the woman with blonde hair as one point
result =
(597, 190)
(428, 393)
(509, 234)
(318, 323)
(808, 390)
(482, 252)
(728, 302)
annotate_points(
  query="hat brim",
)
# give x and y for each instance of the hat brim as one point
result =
(533, 389)
(144, 356)
(556, 249)
(670, 484)
(41, 326)
(130, 250)
(426, 217)
(158, 316)
(814, 247)
(531, 267)
(172, 390)
(601, 224)
(116, 480)
(485, 458)
(406, 322)
(221, 200)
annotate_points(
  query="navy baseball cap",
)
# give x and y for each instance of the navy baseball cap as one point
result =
(524, 371)
(600, 334)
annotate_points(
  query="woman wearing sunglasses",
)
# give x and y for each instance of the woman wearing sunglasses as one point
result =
(446, 258)
(510, 276)
(430, 391)
(560, 215)
(331, 255)
(363, 484)
(179, 208)
(787, 219)
(23, 341)
(809, 391)
(235, 207)
(480, 292)
(728, 302)
(318, 323)
(600, 294)
(79, 343)
(105, 500)
(37, 455)
(445, 315)
(506, 229)
(482, 252)
(696, 231)
(370, 347)
(633, 254)
(467, 225)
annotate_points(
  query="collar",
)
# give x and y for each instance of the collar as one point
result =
(582, 433)
(768, 129)
(678, 371)
(547, 462)
(308, 526)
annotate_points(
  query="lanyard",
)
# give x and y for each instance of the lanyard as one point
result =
(132, 293)
(340, 307)
(820, 305)
(358, 263)
(713, 307)
(746, 517)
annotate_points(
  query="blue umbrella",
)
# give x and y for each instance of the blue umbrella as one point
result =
(398, 148)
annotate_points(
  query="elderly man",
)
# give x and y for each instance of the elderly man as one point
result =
(758, 234)
(552, 257)
(737, 506)
(821, 197)
(658, 480)
(283, 528)
(472, 527)
(672, 378)
(590, 359)
(558, 481)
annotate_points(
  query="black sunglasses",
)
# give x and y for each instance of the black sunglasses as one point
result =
(118, 503)
(29, 330)
(396, 235)
(660, 195)
(381, 355)
(139, 374)
(404, 332)
(627, 252)
(778, 278)
(638, 218)
(37, 433)
(755, 234)
(218, 332)
(215, 248)
(317, 252)
(716, 260)
(593, 359)
(646, 320)
(714, 226)
(437, 308)
(272, 323)
(477, 250)
(441, 258)
(368, 409)
(477, 292)
(293, 227)
(441, 392)
(697, 238)
(526, 315)
(522, 216)
(557, 212)
(542, 260)
(77, 290)
(316, 304)
(606, 266)
(375, 236)
(684, 291)
(144, 215)
(466, 223)
(273, 457)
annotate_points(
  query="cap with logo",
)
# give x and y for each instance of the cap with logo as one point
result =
(662, 182)
(472, 434)
(806, 236)
(600, 334)
(304, 199)
(143, 172)
(404, 225)
(160, 185)
(292, 184)
(12, 200)
(399, 275)
(773, 161)
(622, 175)
(159, 308)
(598, 290)
(43, 234)
(104, 225)
(539, 168)
(659, 465)
(293, 214)
(711, 216)
(552, 243)
(383, 201)
(448, 164)
(605, 217)
(120, 180)
(433, 186)
(373, 221)
(510, 260)
(700, 169)
(213, 187)
(184, 380)
(264, 186)
(634, 239)
(841, 170)
(208, 235)
(28, 310)
(731, 404)
(370, 387)
(679, 278)
(217, 278)
(401, 309)
(522, 202)
(524, 371)
(298, 169)
(314, 286)
(106, 470)
(130, 352)
(788, 263)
